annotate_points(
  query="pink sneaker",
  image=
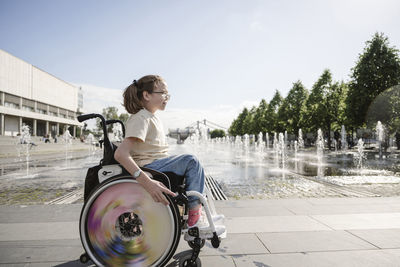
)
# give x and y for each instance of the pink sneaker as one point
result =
(194, 216)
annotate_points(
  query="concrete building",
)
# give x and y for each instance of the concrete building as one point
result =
(31, 96)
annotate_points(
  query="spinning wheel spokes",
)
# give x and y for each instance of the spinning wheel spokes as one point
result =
(125, 227)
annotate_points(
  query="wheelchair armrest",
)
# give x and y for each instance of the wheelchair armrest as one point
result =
(159, 176)
(171, 180)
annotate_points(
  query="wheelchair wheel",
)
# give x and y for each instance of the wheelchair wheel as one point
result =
(187, 263)
(121, 225)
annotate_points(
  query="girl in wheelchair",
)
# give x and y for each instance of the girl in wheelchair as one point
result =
(145, 144)
(139, 221)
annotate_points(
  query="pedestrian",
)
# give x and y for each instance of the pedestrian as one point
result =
(397, 136)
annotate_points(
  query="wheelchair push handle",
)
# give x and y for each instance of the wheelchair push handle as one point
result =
(85, 117)
(117, 121)
(108, 151)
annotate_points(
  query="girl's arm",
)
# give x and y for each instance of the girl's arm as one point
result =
(154, 188)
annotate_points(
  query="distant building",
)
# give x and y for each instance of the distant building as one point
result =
(31, 96)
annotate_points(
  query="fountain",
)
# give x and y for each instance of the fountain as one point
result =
(320, 145)
(359, 156)
(380, 136)
(25, 143)
(117, 133)
(300, 139)
(91, 141)
(344, 139)
(246, 146)
(244, 168)
(282, 149)
(275, 144)
(67, 137)
(260, 143)
(286, 138)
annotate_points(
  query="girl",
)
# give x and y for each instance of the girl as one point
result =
(145, 145)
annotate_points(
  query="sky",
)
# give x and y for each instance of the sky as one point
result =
(216, 56)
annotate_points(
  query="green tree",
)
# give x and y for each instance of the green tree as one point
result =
(123, 117)
(341, 116)
(386, 108)
(314, 109)
(271, 113)
(324, 106)
(217, 133)
(334, 102)
(377, 69)
(249, 123)
(259, 117)
(236, 127)
(289, 111)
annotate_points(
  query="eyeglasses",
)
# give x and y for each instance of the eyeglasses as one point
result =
(163, 94)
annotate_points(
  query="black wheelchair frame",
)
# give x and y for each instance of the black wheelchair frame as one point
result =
(109, 173)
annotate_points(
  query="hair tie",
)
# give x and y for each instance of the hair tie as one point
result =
(134, 82)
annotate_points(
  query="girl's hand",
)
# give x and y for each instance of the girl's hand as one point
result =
(155, 188)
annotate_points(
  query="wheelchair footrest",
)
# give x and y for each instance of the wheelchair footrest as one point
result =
(207, 233)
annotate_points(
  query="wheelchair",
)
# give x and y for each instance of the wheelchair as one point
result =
(121, 225)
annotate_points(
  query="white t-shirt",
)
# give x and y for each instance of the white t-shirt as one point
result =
(147, 127)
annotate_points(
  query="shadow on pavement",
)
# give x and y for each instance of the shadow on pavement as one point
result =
(177, 259)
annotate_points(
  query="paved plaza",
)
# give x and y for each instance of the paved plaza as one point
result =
(278, 232)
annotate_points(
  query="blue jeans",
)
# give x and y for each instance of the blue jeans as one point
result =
(183, 165)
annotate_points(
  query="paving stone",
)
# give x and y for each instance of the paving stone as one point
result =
(35, 252)
(360, 221)
(363, 258)
(232, 245)
(343, 209)
(382, 238)
(40, 213)
(312, 241)
(273, 224)
(39, 231)
(206, 261)
(256, 211)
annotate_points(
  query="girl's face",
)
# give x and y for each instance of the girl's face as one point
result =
(157, 100)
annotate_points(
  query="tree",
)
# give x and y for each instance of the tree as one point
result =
(377, 69)
(249, 122)
(334, 102)
(217, 133)
(271, 113)
(123, 117)
(289, 111)
(259, 117)
(386, 108)
(313, 111)
(236, 127)
(324, 106)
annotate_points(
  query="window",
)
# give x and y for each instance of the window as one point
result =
(11, 105)
(31, 109)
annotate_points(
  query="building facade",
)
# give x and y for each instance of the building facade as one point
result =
(31, 96)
